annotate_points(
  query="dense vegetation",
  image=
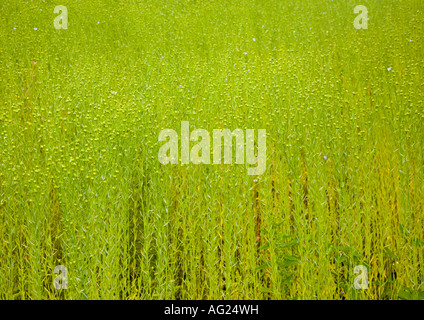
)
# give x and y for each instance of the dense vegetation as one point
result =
(80, 181)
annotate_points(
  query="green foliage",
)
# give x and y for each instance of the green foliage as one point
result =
(80, 181)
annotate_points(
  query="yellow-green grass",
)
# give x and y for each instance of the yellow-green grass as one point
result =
(80, 181)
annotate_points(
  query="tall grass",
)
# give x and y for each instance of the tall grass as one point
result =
(81, 184)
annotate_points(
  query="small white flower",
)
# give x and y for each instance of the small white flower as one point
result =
(98, 22)
(263, 26)
(410, 40)
(388, 69)
(14, 28)
(35, 29)
(254, 39)
(245, 53)
(114, 92)
(225, 79)
(325, 157)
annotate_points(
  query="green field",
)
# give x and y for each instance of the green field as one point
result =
(81, 184)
